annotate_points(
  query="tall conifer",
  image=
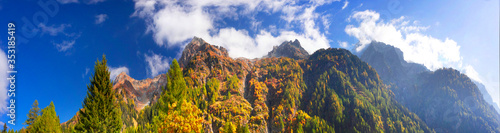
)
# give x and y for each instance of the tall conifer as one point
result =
(33, 114)
(101, 112)
(48, 122)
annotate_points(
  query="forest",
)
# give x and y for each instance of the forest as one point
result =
(207, 91)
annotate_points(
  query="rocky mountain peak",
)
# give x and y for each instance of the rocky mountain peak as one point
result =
(291, 49)
(141, 91)
(198, 45)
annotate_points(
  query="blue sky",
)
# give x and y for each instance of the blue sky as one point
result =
(141, 37)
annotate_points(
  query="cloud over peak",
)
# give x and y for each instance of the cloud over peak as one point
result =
(115, 71)
(172, 23)
(417, 47)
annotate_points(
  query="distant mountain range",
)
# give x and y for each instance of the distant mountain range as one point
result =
(331, 90)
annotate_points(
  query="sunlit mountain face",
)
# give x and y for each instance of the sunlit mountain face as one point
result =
(249, 66)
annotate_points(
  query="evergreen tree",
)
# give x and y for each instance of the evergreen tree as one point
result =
(176, 88)
(100, 110)
(48, 122)
(33, 114)
(4, 128)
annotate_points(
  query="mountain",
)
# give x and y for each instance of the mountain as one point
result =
(487, 96)
(445, 99)
(289, 91)
(142, 92)
(331, 90)
(289, 49)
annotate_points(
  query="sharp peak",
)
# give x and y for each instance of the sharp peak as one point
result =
(197, 41)
(292, 42)
(199, 45)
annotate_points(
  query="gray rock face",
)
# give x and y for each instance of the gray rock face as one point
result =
(198, 45)
(289, 49)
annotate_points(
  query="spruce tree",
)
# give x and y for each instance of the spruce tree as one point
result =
(33, 114)
(4, 128)
(48, 122)
(101, 112)
(176, 88)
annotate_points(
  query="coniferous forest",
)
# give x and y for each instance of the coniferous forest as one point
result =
(330, 90)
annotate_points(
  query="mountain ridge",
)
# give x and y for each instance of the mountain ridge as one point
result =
(433, 95)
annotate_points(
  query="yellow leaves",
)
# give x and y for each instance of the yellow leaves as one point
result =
(187, 119)
(365, 74)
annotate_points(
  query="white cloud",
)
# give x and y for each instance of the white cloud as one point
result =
(94, 1)
(172, 23)
(53, 30)
(67, 1)
(326, 22)
(87, 70)
(343, 44)
(100, 18)
(115, 71)
(417, 47)
(65, 45)
(84, 1)
(156, 64)
(60, 30)
(3, 82)
(472, 73)
(345, 4)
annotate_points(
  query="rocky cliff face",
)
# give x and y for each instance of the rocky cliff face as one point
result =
(289, 49)
(196, 47)
(143, 92)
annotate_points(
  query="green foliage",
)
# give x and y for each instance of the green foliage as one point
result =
(229, 127)
(48, 122)
(100, 111)
(283, 77)
(348, 93)
(33, 114)
(232, 84)
(175, 90)
(176, 114)
(129, 114)
(212, 88)
(243, 129)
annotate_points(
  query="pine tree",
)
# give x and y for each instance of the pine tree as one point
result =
(176, 88)
(4, 128)
(48, 122)
(33, 114)
(100, 110)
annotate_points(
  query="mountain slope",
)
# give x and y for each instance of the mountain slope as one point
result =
(275, 89)
(445, 99)
(487, 96)
(347, 92)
